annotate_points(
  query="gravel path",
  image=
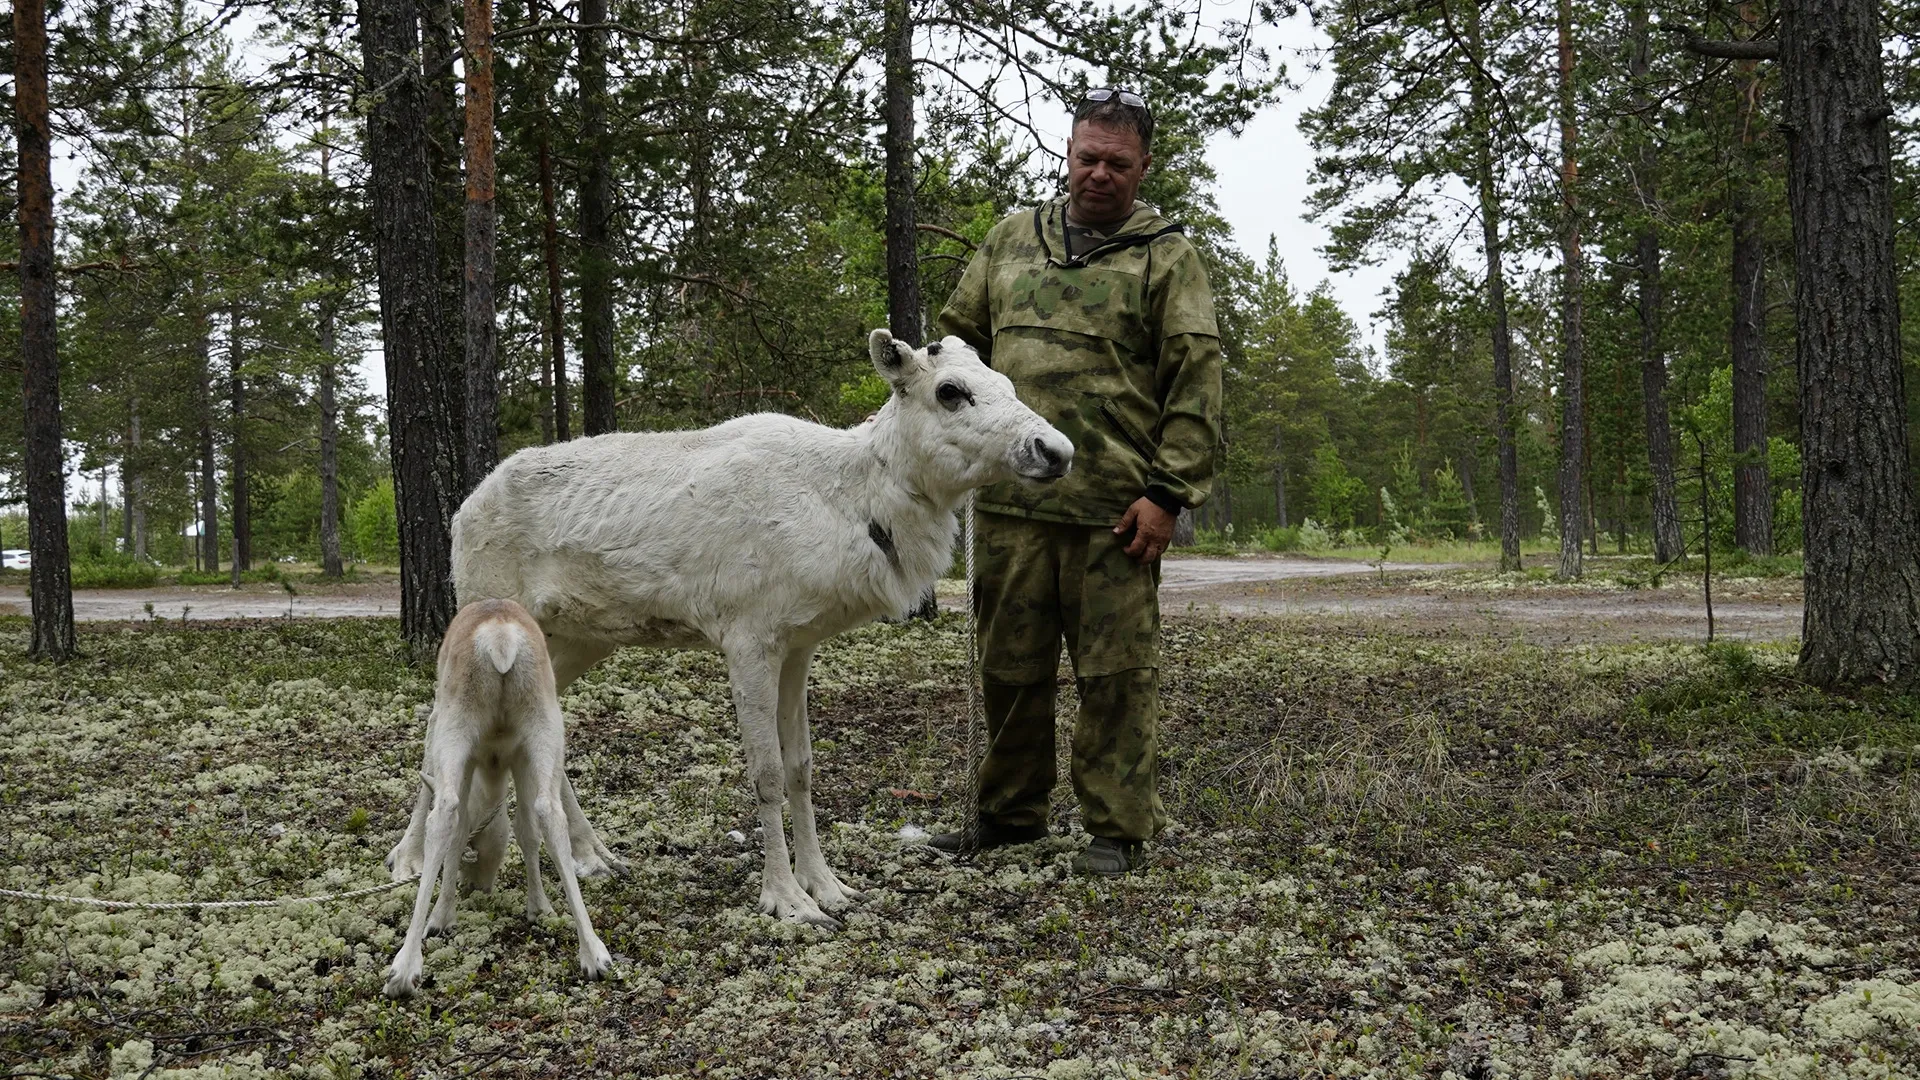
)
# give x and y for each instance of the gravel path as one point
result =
(1273, 586)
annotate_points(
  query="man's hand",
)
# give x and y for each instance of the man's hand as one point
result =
(1152, 529)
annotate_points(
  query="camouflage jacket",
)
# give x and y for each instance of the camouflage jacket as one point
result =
(1116, 347)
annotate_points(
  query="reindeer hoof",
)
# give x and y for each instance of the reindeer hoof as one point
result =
(403, 978)
(827, 890)
(595, 962)
(796, 908)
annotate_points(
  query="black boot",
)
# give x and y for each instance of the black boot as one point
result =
(1107, 857)
(992, 835)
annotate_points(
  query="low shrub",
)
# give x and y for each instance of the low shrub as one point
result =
(1278, 538)
(114, 574)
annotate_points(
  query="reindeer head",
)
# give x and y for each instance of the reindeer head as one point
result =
(961, 419)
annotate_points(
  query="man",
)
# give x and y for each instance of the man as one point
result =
(1099, 312)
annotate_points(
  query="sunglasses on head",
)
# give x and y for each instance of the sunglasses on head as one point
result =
(1107, 93)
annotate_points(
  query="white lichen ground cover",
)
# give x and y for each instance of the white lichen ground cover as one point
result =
(1393, 856)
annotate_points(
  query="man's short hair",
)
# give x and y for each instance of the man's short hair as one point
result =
(1115, 113)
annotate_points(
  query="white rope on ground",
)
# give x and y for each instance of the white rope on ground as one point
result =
(970, 828)
(190, 905)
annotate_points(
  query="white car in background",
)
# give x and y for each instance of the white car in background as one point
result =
(16, 559)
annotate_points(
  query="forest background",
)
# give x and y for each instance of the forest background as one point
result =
(693, 222)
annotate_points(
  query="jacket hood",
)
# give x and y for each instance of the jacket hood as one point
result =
(1143, 226)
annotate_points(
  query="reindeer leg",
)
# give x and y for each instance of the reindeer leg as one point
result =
(753, 666)
(572, 657)
(444, 833)
(796, 757)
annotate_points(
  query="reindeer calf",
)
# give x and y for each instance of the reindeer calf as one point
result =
(495, 715)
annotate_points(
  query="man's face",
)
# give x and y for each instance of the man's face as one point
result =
(1105, 165)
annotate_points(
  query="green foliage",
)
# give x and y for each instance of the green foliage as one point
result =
(1211, 542)
(114, 573)
(374, 527)
(1333, 495)
(265, 574)
(864, 395)
(1277, 538)
(1449, 517)
(1314, 537)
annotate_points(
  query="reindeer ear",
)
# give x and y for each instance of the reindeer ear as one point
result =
(880, 348)
(890, 355)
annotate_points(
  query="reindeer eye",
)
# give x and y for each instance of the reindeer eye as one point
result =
(952, 395)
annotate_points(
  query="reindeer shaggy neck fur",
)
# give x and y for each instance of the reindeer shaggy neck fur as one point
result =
(760, 537)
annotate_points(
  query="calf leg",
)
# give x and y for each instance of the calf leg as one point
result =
(538, 777)
(445, 774)
(527, 831)
(796, 758)
(751, 666)
(489, 843)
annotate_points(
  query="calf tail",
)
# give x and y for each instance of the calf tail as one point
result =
(500, 643)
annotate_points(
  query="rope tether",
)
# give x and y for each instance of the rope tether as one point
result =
(970, 828)
(189, 905)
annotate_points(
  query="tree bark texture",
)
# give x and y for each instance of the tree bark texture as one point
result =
(50, 579)
(1279, 479)
(209, 490)
(330, 564)
(439, 34)
(1573, 422)
(133, 485)
(483, 450)
(1752, 494)
(1862, 621)
(905, 308)
(237, 455)
(596, 211)
(1668, 541)
(550, 251)
(1509, 466)
(410, 322)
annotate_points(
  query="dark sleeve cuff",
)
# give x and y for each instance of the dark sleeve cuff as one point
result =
(1165, 500)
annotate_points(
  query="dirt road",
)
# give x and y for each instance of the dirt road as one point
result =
(1423, 597)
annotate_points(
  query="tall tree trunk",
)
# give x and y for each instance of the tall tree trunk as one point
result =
(237, 455)
(1489, 195)
(209, 490)
(411, 322)
(50, 579)
(596, 254)
(1619, 449)
(1752, 495)
(904, 305)
(330, 563)
(439, 32)
(1572, 361)
(133, 474)
(483, 450)
(1862, 621)
(1279, 479)
(550, 251)
(1667, 540)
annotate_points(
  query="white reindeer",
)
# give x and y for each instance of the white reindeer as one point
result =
(761, 537)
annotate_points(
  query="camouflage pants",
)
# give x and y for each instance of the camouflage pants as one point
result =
(1037, 583)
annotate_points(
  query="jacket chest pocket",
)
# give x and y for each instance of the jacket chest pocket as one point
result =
(1094, 301)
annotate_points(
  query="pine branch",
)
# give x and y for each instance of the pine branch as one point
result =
(1756, 49)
